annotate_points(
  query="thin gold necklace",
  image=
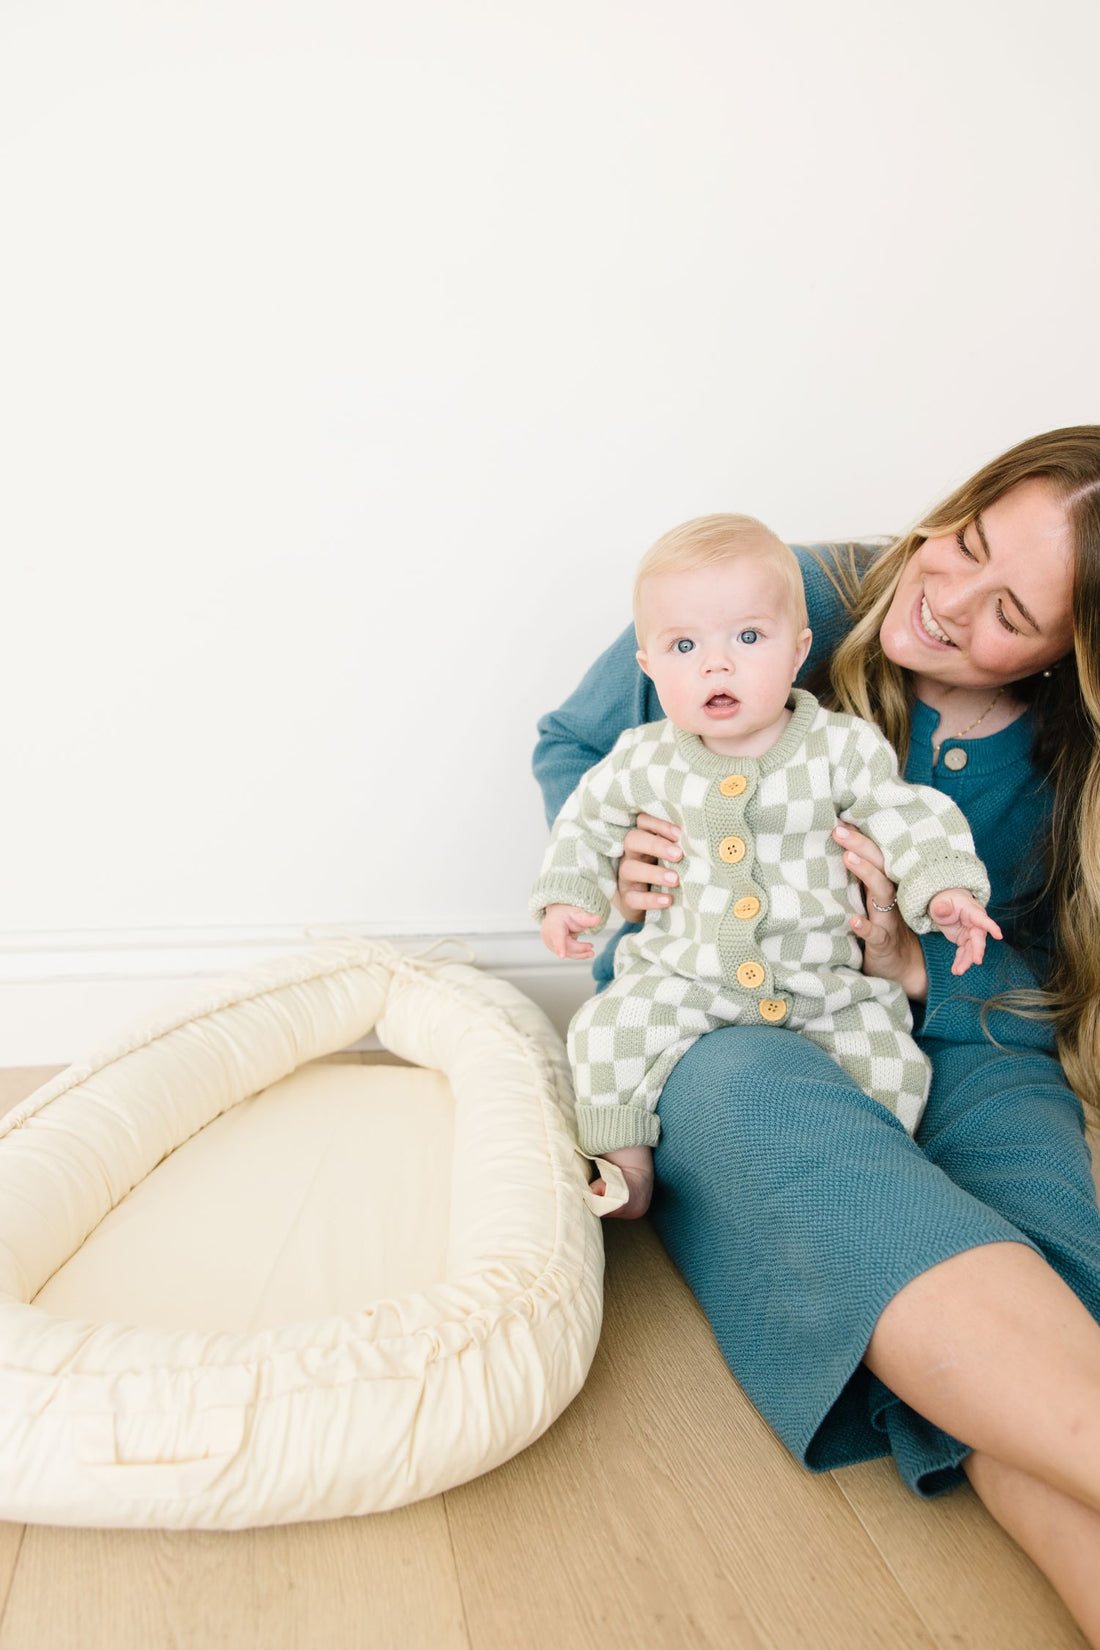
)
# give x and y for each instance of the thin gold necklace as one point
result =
(969, 728)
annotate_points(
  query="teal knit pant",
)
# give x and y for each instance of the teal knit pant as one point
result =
(796, 1208)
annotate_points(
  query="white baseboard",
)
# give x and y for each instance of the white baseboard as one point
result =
(64, 994)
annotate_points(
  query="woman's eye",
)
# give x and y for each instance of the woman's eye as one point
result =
(748, 636)
(960, 540)
(684, 645)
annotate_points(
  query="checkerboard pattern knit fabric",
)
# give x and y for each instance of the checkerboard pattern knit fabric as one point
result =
(758, 931)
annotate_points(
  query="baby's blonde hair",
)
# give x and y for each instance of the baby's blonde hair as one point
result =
(706, 540)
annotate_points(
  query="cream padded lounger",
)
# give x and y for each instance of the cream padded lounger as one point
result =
(236, 1288)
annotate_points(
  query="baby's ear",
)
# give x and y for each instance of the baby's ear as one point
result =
(643, 659)
(802, 648)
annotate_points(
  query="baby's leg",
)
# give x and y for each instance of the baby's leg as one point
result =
(622, 1046)
(869, 1040)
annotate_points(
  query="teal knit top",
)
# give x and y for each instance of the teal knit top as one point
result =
(1004, 796)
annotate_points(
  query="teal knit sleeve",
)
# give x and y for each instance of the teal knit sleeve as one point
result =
(614, 694)
(958, 1011)
(827, 571)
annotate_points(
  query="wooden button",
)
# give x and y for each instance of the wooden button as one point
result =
(773, 1009)
(747, 908)
(954, 759)
(734, 784)
(731, 849)
(751, 976)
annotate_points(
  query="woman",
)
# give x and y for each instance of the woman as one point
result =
(936, 1299)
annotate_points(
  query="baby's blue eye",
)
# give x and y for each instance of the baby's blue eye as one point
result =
(749, 636)
(684, 645)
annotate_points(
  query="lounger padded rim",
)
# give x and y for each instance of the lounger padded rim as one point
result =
(116, 1424)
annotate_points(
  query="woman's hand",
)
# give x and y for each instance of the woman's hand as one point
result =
(891, 950)
(650, 840)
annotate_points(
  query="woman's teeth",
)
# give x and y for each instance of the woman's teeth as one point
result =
(930, 624)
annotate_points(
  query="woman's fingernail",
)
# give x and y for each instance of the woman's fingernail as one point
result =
(670, 876)
(853, 859)
(840, 831)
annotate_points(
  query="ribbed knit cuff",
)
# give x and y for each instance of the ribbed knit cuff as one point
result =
(919, 887)
(568, 889)
(605, 1128)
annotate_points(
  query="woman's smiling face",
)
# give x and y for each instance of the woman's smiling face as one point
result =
(992, 604)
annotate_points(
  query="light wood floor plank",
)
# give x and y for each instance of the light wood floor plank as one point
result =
(11, 1538)
(658, 1511)
(381, 1583)
(971, 1584)
(661, 1511)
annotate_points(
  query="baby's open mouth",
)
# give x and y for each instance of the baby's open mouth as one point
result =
(721, 704)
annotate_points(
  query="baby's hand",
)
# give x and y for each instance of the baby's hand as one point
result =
(560, 926)
(959, 917)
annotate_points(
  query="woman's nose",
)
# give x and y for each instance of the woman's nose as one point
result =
(953, 597)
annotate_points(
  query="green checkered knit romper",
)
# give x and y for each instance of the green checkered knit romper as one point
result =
(758, 931)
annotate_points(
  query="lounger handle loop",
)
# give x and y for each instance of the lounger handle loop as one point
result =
(192, 1452)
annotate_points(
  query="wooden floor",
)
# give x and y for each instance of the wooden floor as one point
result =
(658, 1512)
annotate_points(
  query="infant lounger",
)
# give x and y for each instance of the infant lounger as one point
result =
(237, 1289)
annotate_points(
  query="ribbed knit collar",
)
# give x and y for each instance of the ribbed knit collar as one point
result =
(804, 707)
(992, 754)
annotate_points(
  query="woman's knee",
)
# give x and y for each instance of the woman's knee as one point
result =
(743, 1097)
(724, 1073)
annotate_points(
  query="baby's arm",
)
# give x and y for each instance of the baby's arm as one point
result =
(960, 918)
(579, 875)
(925, 841)
(636, 1162)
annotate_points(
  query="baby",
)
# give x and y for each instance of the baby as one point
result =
(756, 774)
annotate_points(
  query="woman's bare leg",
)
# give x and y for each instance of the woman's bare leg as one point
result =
(994, 1348)
(1057, 1533)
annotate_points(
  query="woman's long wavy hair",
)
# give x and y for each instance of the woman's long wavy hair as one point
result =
(1067, 718)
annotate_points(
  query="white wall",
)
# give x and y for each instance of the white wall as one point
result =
(355, 351)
